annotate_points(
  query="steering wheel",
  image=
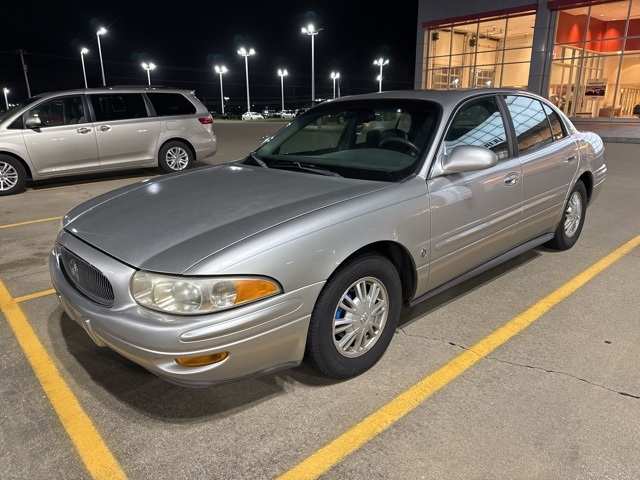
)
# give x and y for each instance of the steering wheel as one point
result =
(400, 142)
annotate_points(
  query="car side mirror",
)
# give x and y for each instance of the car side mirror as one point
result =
(33, 122)
(468, 158)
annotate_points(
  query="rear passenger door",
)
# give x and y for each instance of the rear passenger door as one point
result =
(549, 159)
(126, 134)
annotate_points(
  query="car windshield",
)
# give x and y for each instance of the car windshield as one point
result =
(371, 140)
(6, 114)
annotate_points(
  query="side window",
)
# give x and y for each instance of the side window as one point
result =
(59, 111)
(479, 123)
(530, 122)
(166, 104)
(118, 106)
(554, 120)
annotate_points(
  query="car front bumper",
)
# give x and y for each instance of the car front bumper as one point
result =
(259, 338)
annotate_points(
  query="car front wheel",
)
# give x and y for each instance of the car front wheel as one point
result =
(174, 157)
(355, 317)
(572, 219)
(13, 176)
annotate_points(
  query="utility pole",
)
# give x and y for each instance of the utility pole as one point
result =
(24, 68)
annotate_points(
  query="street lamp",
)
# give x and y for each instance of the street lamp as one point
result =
(246, 54)
(381, 63)
(84, 72)
(312, 32)
(282, 74)
(335, 76)
(221, 70)
(148, 67)
(102, 31)
(5, 90)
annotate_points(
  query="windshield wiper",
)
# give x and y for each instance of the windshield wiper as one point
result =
(305, 167)
(255, 158)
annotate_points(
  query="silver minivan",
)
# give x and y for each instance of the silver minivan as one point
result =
(102, 129)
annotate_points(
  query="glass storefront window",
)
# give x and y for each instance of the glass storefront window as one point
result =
(595, 71)
(490, 53)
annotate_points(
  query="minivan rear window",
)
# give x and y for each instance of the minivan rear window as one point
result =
(166, 104)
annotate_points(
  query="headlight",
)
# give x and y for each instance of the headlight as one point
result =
(194, 296)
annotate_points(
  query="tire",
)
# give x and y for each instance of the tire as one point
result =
(13, 175)
(572, 220)
(345, 342)
(175, 156)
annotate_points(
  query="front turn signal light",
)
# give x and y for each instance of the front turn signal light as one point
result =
(203, 360)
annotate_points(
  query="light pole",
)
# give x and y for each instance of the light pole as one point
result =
(84, 72)
(335, 76)
(101, 31)
(246, 54)
(282, 73)
(221, 70)
(312, 32)
(148, 67)
(381, 62)
(5, 90)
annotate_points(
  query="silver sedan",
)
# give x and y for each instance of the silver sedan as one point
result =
(310, 247)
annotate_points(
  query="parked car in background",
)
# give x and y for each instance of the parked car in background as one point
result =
(310, 246)
(287, 114)
(252, 116)
(104, 129)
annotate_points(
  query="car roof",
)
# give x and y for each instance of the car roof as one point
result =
(115, 88)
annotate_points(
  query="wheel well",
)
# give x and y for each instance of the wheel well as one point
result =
(24, 164)
(587, 179)
(400, 258)
(181, 140)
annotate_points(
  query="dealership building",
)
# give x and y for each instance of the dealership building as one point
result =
(582, 55)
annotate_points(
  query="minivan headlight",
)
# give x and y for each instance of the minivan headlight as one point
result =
(198, 295)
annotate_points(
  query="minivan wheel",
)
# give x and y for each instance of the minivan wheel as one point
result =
(355, 317)
(13, 176)
(174, 157)
(572, 220)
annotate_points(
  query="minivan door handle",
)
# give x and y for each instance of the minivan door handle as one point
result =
(104, 128)
(511, 179)
(84, 130)
(572, 158)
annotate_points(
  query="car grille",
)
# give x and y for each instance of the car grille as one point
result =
(86, 279)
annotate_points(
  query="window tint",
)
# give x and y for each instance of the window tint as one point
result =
(479, 123)
(554, 120)
(171, 104)
(530, 122)
(60, 111)
(114, 106)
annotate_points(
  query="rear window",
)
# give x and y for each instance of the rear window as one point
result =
(166, 104)
(122, 106)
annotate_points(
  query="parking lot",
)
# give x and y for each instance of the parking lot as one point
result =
(528, 371)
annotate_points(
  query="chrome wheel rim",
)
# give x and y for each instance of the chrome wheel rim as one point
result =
(8, 176)
(573, 214)
(177, 158)
(360, 317)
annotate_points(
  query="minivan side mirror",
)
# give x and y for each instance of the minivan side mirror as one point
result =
(467, 158)
(33, 122)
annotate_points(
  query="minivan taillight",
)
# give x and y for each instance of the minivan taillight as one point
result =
(206, 120)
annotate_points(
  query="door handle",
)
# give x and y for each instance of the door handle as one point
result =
(84, 130)
(104, 128)
(572, 158)
(511, 179)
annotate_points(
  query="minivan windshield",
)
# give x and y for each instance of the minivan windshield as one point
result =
(14, 109)
(371, 140)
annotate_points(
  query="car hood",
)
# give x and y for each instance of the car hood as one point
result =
(171, 223)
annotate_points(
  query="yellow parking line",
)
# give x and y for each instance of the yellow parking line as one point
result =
(94, 453)
(367, 429)
(30, 222)
(34, 295)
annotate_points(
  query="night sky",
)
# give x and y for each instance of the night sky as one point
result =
(186, 39)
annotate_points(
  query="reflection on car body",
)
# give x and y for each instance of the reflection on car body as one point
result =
(311, 245)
